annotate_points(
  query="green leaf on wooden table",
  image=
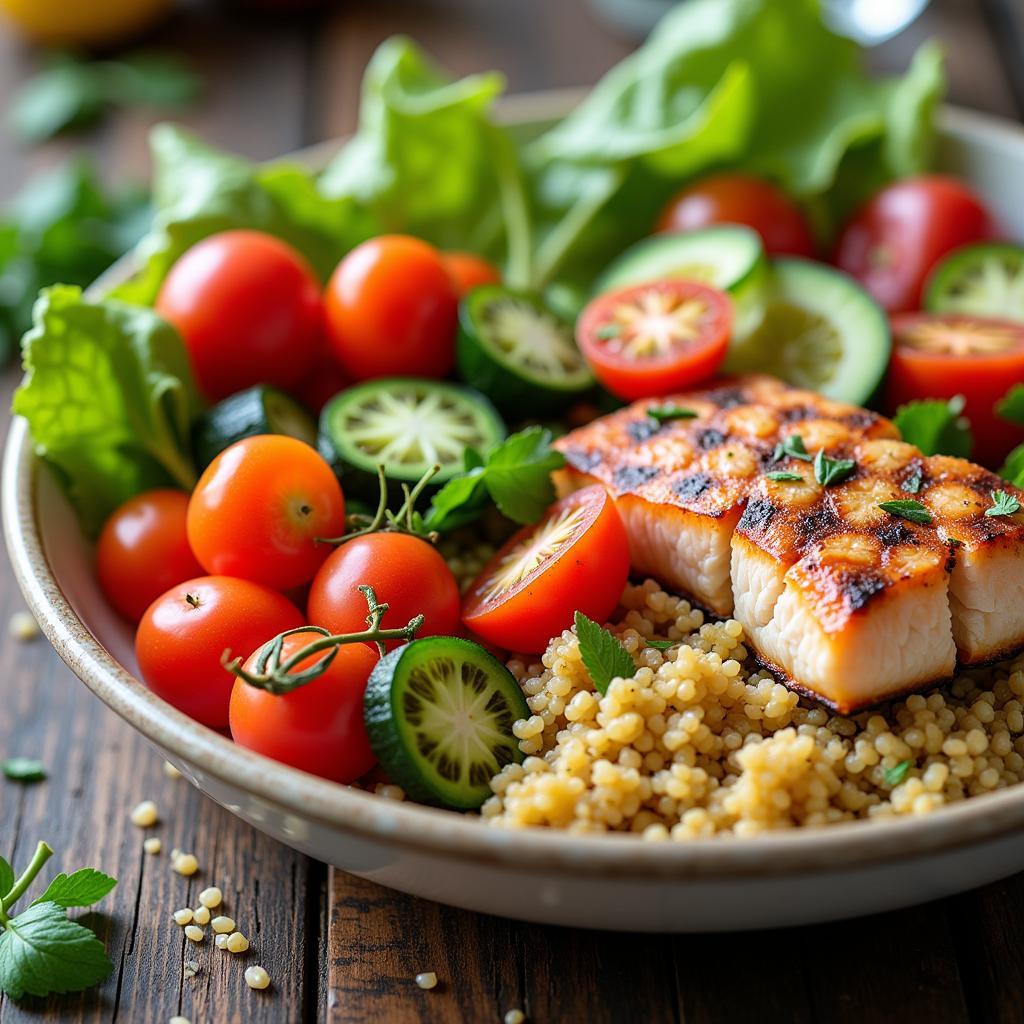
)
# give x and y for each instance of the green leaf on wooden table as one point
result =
(42, 952)
(82, 888)
(602, 654)
(936, 427)
(6, 877)
(22, 769)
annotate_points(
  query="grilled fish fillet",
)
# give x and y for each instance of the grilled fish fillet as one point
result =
(846, 601)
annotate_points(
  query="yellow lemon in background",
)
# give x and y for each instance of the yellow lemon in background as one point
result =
(82, 22)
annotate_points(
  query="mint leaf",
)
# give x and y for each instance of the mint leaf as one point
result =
(794, 447)
(829, 472)
(1011, 406)
(518, 474)
(603, 656)
(667, 413)
(913, 511)
(6, 877)
(460, 501)
(783, 475)
(1003, 504)
(23, 769)
(895, 775)
(936, 427)
(41, 951)
(81, 888)
(663, 645)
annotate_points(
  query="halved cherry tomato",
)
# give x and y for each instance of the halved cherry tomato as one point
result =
(939, 355)
(317, 727)
(249, 310)
(143, 550)
(575, 559)
(469, 271)
(259, 509)
(392, 310)
(185, 632)
(741, 199)
(894, 241)
(405, 572)
(655, 338)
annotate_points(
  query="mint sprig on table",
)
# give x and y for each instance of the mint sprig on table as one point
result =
(603, 655)
(41, 950)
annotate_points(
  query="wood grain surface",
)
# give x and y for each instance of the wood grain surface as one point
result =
(341, 949)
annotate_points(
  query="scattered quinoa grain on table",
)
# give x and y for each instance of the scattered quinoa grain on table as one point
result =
(514, 1017)
(194, 933)
(153, 845)
(426, 980)
(201, 915)
(223, 924)
(211, 897)
(237, 943)
(23, 626)
(145, 814)
(257, 977)
(184, 863)
(701, 742)
(183, 916)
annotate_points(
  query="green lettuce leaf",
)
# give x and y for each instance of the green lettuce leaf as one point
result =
(756, 85)
(109, 398)
(199, 191)
(428, 160)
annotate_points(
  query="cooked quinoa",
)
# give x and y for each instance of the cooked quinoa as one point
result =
(701, 742)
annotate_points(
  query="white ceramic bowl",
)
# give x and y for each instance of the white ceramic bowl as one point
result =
(603, 881)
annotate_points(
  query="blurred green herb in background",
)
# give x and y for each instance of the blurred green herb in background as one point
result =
(72, 92)
(62, 227)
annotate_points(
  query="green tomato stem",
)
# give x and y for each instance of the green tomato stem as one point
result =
(39, 858)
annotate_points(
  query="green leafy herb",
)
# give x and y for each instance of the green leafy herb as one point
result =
(829, 472)
(667, 413)
(23, 769)
(41, 951)
(1003, 504)
(602, 654)
(109, 398)
(895, 775)
(914, 511)
(74, 93)
(912, 485)
(1011, 406)
(936, 427)
(663, 645)
(1013, 468)
(783, 475)
(793, 446)
(515, 475)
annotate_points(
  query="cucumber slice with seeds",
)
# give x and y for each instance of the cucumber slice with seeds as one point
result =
(439, 713)
(407, 424)
(258, 410)
(515, 350)
(979, 280)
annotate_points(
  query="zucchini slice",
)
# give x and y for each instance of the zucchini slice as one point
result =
(258, 410)
(515, 350)
(408, 425)
(439, 713)
(979, 280)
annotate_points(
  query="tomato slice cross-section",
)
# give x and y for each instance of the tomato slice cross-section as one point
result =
(655, 338)
(575, 559)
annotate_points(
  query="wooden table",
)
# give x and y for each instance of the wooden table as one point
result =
(341, 949)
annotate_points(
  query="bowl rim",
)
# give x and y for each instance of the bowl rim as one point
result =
(428, 830)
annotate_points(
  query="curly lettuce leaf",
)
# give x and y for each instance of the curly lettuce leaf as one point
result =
(109, 398)
(199, 190)
(756, 85)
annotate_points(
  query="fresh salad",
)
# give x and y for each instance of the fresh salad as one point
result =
(311, 436)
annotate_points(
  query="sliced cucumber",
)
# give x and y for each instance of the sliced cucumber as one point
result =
(518, 353)
(258, 410)
(408, 425)
(979, 280)
(820, 330)
(724, 256)
(439, 714)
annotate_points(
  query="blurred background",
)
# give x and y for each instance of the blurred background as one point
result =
(82, 81)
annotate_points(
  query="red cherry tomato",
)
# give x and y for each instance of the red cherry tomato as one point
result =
(404, 571)
(652, 339)
(317, 727)
(575, 559)
(143, 550)
(895, 240)
(392, 310)
(939, 355)
(469, 271)
(248, 308)
(740, 199)
(185, 632)
(259, 509)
